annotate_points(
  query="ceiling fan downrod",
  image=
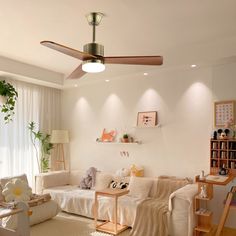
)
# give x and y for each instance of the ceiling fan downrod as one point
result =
(94, 19)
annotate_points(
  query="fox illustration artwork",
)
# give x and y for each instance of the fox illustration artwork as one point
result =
(108, 136)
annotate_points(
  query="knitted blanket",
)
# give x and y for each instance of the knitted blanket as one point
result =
(152, 214)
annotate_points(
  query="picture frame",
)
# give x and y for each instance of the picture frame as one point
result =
(224, 111)
(147, 119)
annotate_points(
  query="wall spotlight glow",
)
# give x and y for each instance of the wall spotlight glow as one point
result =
(193, 65)
(145, 73)
(107, 80)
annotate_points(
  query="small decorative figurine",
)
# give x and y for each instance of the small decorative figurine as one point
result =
(223, 170)
(203, 193)
(215, 135)
(202, 177)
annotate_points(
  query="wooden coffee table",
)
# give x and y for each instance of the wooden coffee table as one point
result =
(109, 227)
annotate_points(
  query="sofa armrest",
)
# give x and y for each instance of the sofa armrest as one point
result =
(51, 179)
(186, 193)
(181, 202)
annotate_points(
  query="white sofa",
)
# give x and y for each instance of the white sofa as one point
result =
(40, 213)
(63, 187)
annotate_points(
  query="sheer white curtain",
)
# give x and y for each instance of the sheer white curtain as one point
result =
(35, 103)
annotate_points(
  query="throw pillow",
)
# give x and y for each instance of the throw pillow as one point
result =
(139, 187)
(102, 180)
(119, 185)
(17, 190)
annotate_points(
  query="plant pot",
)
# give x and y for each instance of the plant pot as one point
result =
(125, 140)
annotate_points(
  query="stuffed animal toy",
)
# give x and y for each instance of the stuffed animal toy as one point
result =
(123, 172)
(88, 181)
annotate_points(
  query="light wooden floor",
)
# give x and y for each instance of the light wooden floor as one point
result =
(225, 232)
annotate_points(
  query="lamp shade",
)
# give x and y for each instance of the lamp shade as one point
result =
(60, 136)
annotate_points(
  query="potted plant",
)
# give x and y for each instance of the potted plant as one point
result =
(8, 97)
(45, 147)
(125, 138)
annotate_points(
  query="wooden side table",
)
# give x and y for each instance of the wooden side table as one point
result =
(203, 215)
(109, 227)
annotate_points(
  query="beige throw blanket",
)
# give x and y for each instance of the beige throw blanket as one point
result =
(152, 214)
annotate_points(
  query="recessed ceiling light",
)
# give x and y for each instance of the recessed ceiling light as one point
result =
(107, 80)
(193, 65)
(145, 73)
(76, 85)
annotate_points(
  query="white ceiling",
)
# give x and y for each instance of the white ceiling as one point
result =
(183, 31)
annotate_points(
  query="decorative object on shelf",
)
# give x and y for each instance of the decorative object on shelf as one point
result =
(203, 192)
(223, 133)
(223, 112)
(8, 96)
(125, 138)
(223, 170)
(45, 147)
(60, 137)
(107, 136)
(202, 176)
(230, 124)
(147, 119)
(215, 135)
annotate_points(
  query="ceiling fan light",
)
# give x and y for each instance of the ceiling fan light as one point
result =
(93, 66)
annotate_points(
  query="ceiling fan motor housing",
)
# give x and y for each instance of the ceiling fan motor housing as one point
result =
(94, 49)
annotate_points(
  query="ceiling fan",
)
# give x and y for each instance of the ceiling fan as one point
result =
(92, 57)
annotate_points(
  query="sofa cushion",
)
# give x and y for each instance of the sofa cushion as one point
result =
(58, 178)
(119, 185)
(139, 187)
(17, 190)
(5, 180)
(102, 180)
(75, 177)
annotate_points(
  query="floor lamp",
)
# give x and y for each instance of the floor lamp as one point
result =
(59, 137)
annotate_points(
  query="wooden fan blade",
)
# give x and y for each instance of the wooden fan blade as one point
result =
(77, 73)
(68, 51)
(135, 60)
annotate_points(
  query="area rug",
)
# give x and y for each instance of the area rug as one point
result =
(68, 225)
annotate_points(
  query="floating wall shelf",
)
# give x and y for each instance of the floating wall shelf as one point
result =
(121, 143)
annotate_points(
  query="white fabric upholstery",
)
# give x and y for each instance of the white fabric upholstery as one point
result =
(41, 212)
(81, 202)
(57, 179)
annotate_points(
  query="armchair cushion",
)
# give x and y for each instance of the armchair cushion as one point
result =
(17, 190)
(40, 212)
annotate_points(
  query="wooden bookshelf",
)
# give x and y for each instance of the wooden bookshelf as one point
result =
(223, 152)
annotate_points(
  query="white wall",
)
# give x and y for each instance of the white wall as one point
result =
(184, 101)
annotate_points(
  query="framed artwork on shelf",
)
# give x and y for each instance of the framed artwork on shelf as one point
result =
(147, 119)
(224, 112)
